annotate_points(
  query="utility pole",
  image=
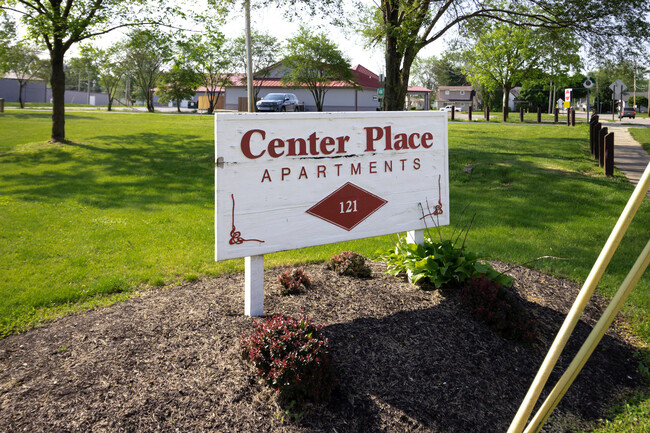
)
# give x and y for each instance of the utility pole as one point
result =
(634, 94)
(249, 58)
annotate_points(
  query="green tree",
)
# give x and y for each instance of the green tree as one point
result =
(504, 55)
(264, 52)
(315, 62)
(23, 61)
(147, 50)
(433, 72)
(206, 54)
(60, 24)
(404, 27)
(178, 84)
(81, 71)
(110, 66)
(7, 35)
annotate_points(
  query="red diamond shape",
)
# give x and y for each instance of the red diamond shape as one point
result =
(347, 206)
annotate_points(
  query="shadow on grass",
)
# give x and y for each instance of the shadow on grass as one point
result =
(450, 374)
(138, 170)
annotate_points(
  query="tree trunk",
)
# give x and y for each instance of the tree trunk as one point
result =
(57, 82)
(506, 97)
(110, 103)
(398, 70)
(21, 86)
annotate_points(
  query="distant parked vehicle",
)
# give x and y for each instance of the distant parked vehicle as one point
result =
(627, 112)
(449, 107)
(278, 102)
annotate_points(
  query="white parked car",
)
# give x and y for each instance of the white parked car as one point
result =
(448, 108)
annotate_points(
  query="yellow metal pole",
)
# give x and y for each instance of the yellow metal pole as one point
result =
(519, 421)
(592, 341)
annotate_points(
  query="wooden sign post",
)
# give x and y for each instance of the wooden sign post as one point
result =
(293, 180)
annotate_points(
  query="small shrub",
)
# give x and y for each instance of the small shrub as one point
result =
(293, 281)
(497, 307)
(439, 264)
(351, 264)
(292, 356)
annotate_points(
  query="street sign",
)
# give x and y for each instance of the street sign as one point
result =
(375, 98)
(588, 83)
(380, 91)
(618, 87)
(567, 94)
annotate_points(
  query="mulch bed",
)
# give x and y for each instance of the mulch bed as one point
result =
(407, 360)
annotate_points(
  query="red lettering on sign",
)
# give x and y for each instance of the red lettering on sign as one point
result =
(412, 138)
(303, 172)
(246, 143)
(425, 140)
(321, 170)
(355, 170)
(373, 133)
(266, 175)
(416, 164)
(372, 167)
(273, 145)
(292, 146)
(286, 171)
(338, 169)
(400, 141)
(388, 166)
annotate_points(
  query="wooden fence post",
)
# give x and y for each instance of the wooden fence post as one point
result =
(597, 129)
(486, 113)
(453, 112)
(609, 154)
(539, 114)
(601, 147)
(573, 117)
(556, 114)
(469, 112)
(521, 114)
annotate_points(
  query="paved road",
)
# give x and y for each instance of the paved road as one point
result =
(629, 156)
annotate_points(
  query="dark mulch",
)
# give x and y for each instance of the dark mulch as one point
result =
(406, 359)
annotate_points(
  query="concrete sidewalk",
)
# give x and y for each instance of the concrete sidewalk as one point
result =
(629, 156)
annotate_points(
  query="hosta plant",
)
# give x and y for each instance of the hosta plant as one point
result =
(292, 356)
(438, 264)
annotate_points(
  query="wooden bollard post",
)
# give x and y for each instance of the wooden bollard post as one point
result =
(487, 113)
(556, 114)
(601, 146)
(521, 114)
(2, 105)
(504, 116)
(453, 112)
(592, 129)
(469, 113)
(539, 114)
(609, 154)
(568, 117)
(597, 129)
(573, 117)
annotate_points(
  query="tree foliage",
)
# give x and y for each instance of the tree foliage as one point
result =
(265, 49)
(206, 54)
(111, 66)
(147, 50)
(433, 72)
(23, 61)
(404, 27)
(178, 84)
(60, 24)
(504, 55)
(315, 62)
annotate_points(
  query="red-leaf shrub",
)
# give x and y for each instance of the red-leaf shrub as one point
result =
(291, 356)
(351, 264)
(497, 307)
(293, 281)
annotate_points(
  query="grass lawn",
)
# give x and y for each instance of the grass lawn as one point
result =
(129, 203)
(642, 135)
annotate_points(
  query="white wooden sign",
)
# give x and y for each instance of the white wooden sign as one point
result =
(292, 180)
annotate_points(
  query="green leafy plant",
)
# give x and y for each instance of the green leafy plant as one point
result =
(496, 306)
(351, 264)
(439, 264)
(292, 356)
(293, 281)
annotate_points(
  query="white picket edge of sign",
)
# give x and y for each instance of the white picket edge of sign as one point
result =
(270, 196)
